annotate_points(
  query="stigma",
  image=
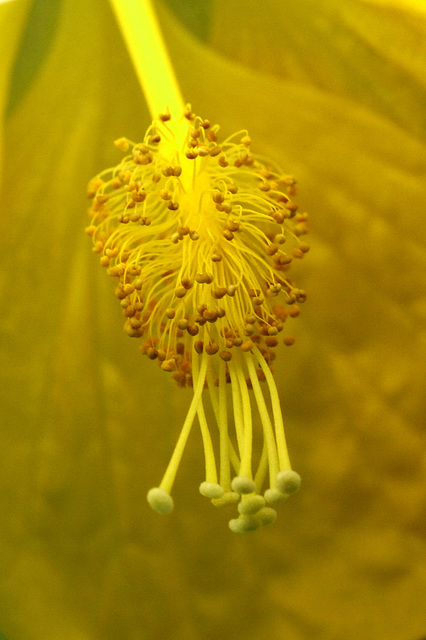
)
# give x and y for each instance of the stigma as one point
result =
(199, 234)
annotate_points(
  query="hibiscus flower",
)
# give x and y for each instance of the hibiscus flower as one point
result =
(335, 92)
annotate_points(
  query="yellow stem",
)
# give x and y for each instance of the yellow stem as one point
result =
(148, 52)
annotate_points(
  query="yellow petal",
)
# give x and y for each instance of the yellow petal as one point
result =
(372, 53)
(82, 556)
(12, 17)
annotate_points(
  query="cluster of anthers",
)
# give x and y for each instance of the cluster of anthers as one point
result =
(199, 235)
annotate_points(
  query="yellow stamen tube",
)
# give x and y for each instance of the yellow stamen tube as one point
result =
(150, 58)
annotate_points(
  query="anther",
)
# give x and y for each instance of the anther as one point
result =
(192, 329)
(271, 249)
(199, 346)
(202, 278)
(231, 290)
(275, 288)
(182, 324)
(265, 186)
(291, 206)
(187, 283)
(219, 292)
(122, 144)
(232, 225)
(278, 216)
(218, 197)
(168, 365)
(212, 348)
(281, 259)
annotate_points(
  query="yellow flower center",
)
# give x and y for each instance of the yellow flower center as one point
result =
(199, 235)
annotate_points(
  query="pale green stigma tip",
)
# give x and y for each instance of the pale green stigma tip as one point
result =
(273, 495)
(244, 524)
(288, 481)
(211, 490)
(241, 484)
(230, 497)
(250, 505)
(160, 500)
(266, 516)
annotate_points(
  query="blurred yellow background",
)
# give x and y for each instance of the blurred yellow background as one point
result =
(335, 91)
